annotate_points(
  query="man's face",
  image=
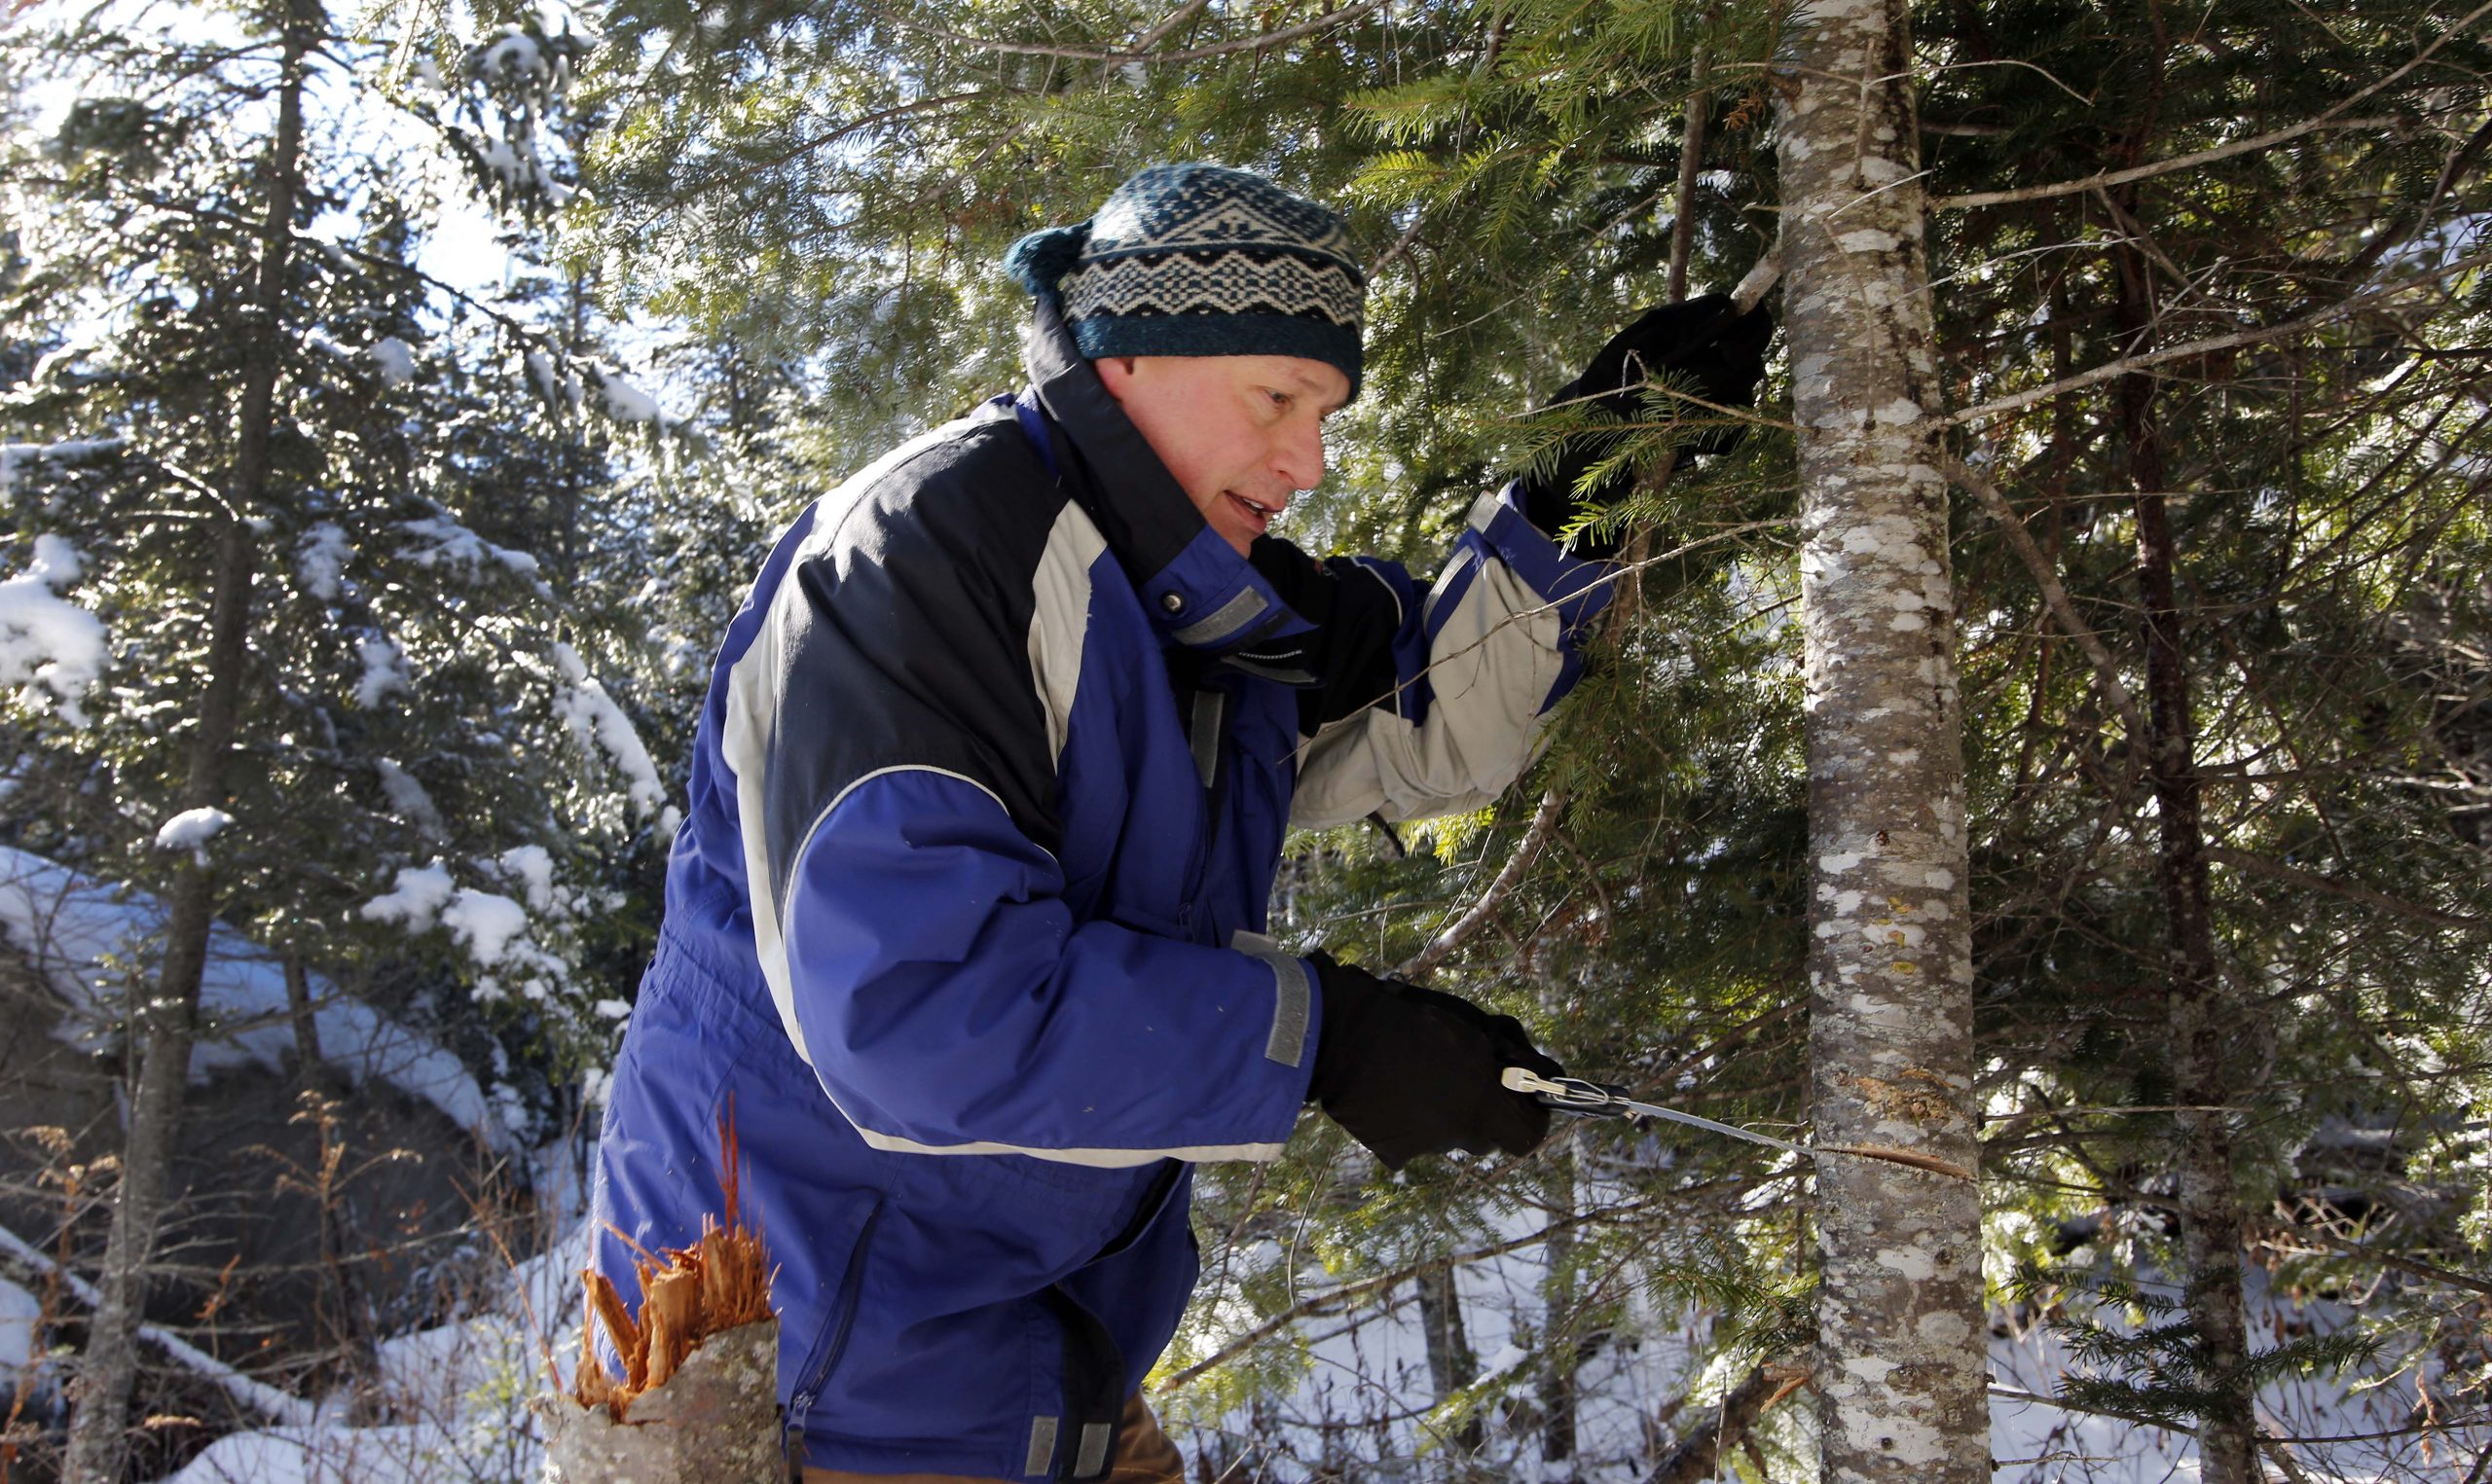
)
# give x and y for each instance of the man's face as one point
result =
(1243, 433)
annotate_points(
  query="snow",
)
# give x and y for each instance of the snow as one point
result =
(486, 923)
(385, 671)
(627, 403)
(516, 50)
(540, 370)
(408, 798)
(321, 561)
(394, 359)
(80, 931)
(19, 1312)
(455, 545)
(597, 720)
(45, 640)
(191, 831)
(57, 562)
(532, 866)
(414, 899)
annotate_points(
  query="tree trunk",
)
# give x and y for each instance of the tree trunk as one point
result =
(1451, 1365)
(715, 1421)
(2199, 1020)
(1900, 1339)
(98, 1431)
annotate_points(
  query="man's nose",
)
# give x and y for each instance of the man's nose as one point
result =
(1298, 455)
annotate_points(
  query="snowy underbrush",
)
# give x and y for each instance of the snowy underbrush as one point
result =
(446, 1406)
(1356, 1399)
(448, 1402)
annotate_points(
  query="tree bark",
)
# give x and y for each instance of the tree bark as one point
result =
(1725, 1426)
(1451, 1365)
(715, 1421)
(2199, 1020)
(98, 1440)
(1900, 1339)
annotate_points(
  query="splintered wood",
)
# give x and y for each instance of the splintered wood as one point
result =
(719, 1285)
(698, 1401)
(722, 1284)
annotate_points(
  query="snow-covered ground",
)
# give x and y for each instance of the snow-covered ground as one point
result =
(449, 1403)
(82, 934)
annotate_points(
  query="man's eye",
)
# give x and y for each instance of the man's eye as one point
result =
(1281, 400)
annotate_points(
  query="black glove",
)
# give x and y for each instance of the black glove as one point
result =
(1411, 1072)
(1705, 340)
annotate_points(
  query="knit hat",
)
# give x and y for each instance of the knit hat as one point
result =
(1202, 260)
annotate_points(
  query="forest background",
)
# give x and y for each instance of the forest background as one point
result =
(364, 609)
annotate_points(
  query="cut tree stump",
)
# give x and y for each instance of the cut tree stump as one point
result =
(714, 1420)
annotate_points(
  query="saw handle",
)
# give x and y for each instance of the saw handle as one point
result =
(1569, 1094)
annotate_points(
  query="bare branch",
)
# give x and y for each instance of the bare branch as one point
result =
(2251, 860)
(1535, 839)
(2095, 375)
(2109, 178)
(2054, 594)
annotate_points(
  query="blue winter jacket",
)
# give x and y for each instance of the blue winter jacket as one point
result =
(963, 922)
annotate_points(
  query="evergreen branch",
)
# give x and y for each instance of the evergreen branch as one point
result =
(2069, 1404)
(2251, 860)
(2054, 594)
(746, 171)
(1752, 287)
(1543, 821)
(2096, 376)
(1261, 43)
(2402, 1264)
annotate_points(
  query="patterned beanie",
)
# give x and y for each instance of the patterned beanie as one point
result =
(1202, 260)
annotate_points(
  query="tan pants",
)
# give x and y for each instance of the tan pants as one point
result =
(1144, 1456)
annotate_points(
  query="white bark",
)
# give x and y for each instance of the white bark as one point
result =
(1899, 1359)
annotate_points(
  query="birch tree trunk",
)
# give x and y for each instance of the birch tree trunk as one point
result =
(1900, 1340)
(98, 1433)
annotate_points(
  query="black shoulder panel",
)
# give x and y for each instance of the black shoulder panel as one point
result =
(903, 635)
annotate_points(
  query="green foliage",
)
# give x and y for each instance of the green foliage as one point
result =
(417, 694)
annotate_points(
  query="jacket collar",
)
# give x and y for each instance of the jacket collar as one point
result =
(1197, 589)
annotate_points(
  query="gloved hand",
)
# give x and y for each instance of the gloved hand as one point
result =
(1411, 1072)
(1704, 341)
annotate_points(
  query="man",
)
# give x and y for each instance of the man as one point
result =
(986, 803)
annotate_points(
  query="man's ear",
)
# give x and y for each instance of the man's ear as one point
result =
(1116, 372)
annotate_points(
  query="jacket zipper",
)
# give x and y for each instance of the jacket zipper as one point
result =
(810, 1387)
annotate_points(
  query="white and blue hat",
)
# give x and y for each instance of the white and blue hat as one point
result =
(1202, 260)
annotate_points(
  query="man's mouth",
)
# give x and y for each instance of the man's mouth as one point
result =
(1257, 515)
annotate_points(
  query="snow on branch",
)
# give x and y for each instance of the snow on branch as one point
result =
(46, 640)
(17, 456)
(598, 721)
(455, 546)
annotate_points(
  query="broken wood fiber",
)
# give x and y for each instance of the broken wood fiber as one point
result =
(698, 1399)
